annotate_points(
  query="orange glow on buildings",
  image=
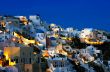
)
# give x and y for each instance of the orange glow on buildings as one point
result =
(45, 54)
(91, 42)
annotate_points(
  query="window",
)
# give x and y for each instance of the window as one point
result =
(55, 65)
(23, 53)
(21, 60)
(6, 37)
(67, 47)
(30, 60)
(12, 60)
(61, 65)
(38, 60)
(30, 54)
(16, 60)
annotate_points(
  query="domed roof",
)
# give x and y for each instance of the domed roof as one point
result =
(52, 25)
(52, 38)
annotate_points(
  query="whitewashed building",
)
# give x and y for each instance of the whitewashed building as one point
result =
(59, 64)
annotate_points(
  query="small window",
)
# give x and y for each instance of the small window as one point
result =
(30, 60)
(16, 60)
(23, 53)
(5, 37)
(21, 60)
(30, 54)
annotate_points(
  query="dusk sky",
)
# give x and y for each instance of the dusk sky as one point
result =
(66, 13)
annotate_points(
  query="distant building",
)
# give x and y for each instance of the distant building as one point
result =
(35, 19)
(69, 29)
(59, 64)
(40, 37)
(24, 58)
(87, 33)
